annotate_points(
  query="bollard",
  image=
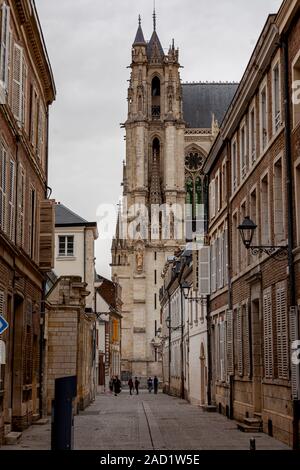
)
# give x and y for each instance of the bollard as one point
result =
(62, 428)
(252, 444)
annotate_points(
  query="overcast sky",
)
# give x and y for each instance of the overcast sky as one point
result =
(89, 45)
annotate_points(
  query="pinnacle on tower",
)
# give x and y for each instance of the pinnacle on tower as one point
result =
(139, 38)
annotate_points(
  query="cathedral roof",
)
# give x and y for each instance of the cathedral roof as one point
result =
(154, 47)
(139, 38)
(202, 100)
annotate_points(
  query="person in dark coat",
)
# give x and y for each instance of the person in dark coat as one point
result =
(130, 385)
(150, 384)
(155, 382)
(136, 385)
(117, 385)
(111, 384)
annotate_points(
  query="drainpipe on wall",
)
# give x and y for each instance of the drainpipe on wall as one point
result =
(43, 385)
(208, 326)
(169, 298)
(289, 186)
(229, 267)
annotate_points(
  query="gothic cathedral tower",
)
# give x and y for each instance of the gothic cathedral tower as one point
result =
(154, 174)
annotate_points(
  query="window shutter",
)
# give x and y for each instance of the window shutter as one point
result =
(17, 85)
(46, 235)
(213, 267)
(268, 334)
(4, 46)
(41, 127)
(2, 303)
(21, 206)
(240, 340)
(221, 260)
(281, 331)
(213, 198)
(11, 200)
(246, 340)
(294, 322)
(225, 256)
(204, 270)
(3, 160)
(229, 342)
(222, 351)
(23, 97)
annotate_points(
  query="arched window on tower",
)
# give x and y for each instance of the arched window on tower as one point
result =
(155, 92)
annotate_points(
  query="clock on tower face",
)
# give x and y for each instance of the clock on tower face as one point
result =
(193, 161)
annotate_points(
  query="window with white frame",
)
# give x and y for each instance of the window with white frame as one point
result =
(282, 331)
(11, 201)
(234, 166)
(3, 186)
(243, 249)
(224, 183)
(296, 90)
(212, 199)
(263, 119)
(253, 215)
(217, 192)
(252, 135)
(243, 152)
(4, 45)
(66, 245)
(276, 103)
(235, 244)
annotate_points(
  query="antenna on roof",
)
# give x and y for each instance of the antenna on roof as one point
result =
(140, 20)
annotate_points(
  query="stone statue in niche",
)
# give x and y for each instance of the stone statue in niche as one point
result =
(139, 257)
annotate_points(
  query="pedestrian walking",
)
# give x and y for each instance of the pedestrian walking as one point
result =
(116, 385)
(130, 385)
(155, 382)
(150, 384)
(136, 385)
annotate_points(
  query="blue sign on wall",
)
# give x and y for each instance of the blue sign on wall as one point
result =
(3, 325)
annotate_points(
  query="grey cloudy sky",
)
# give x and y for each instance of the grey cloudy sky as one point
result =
(89, 44)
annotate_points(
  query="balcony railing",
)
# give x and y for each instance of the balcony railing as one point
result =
(155, 112)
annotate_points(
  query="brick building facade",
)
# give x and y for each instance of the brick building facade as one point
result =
(253, 169)
(26, 215)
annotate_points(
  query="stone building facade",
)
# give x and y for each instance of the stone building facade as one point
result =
(69, 340)
(168, 125)
(26, 214)
(254, 302)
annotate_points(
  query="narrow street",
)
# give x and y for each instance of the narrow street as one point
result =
(148, 422)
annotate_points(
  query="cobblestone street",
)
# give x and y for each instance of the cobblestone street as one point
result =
(148, 422)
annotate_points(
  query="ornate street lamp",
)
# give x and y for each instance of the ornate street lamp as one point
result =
(247, 229)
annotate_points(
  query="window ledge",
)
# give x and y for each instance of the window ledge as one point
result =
(66, 258)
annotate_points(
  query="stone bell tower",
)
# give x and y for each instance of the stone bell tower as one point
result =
(153, 175)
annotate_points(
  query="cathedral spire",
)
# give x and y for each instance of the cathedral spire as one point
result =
(154, 17)
(139, 38)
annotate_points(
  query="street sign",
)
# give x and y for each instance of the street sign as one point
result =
(3, 325)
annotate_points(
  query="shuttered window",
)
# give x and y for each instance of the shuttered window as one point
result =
(40, 140)
(47, 216)
(21, 206)
(32, 221)
(17, 83)
(246, 341)
(239, 332)
(225, 256)
(268, 333)
(282, 331)
(2, 303)
(3, 186)
(229, 342)
(214, 267)
(294, 338)
(11, 201)
(222, 351)
(4, 45)
(204, 270)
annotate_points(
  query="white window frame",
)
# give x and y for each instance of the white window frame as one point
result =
(243, 150)
(4, 52)
(65, 254)
(296, 90)
(264, 132)
(252, 135)
(276, 113)
(234, 166)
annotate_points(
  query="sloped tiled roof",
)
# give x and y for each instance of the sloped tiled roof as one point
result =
(202, 100)
(107, 290)
(66, 217)
(154, 47)
(139, 38)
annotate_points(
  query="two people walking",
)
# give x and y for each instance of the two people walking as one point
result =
(132, 385)
(152, 384)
